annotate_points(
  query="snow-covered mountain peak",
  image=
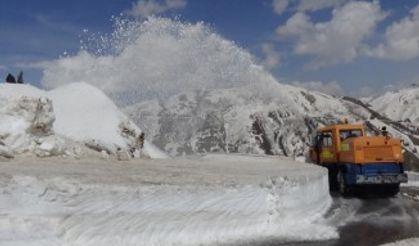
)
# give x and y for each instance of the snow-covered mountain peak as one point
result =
(241, 119)
(399, 105)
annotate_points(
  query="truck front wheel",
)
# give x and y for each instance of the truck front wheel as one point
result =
(333, 180)
(393, 189)
(343, 187)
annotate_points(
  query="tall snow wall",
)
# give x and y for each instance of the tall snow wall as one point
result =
(209, 201)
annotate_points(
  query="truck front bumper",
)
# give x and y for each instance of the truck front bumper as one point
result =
(381, 179)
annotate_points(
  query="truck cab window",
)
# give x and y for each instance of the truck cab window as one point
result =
(315, 139)
(327, 139)
(344, 134)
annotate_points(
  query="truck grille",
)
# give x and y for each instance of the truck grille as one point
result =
(381, 153)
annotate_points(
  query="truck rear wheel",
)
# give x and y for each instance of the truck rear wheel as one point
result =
(393, 189)
(333, 180)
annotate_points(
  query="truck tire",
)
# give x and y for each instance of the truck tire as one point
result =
(343, 187)
(333, 180)
(393, 190)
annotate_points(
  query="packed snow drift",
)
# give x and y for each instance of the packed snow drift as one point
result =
(26, 123)
(63, 122)
(197, 201)
(413, 178)
(405, 242)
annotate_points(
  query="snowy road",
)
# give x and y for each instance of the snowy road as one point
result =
(370, 222)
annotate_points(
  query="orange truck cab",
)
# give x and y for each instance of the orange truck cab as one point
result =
(354, 159)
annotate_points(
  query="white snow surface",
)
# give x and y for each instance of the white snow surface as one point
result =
(210, 200)
(225, 120)
(399, 105)
(61, 121)
(151, 151)
(84, 119)
(405, 242)
(413, 179)
(26, 122)
(402, 106)
(84, 113)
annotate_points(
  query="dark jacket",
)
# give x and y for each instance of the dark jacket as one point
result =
(10, 79)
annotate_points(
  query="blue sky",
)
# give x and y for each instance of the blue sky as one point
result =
(340, 46)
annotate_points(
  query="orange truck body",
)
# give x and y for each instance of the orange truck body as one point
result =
(353, 158)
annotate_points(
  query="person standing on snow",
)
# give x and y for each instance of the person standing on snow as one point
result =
(10, 79)
(20, 78)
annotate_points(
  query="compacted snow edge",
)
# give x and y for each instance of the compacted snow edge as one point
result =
(177, 202)
(405, 242)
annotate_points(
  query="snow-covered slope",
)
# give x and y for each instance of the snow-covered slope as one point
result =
(26, 123)
(244, 121)
(86, 114)
(239, 120)
(399, 111)
(63, 121)
(400, 105)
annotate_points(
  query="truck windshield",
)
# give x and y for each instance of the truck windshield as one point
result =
(344, 134)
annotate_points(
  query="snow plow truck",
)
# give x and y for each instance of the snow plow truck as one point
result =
(358, 161)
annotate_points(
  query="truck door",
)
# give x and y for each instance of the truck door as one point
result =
(327, 149)
(314, 151)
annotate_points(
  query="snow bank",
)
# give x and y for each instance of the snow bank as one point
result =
(413, 179)
(63, 121)
(208, 201)
(86, 114)
(406, 242)
(26, 122)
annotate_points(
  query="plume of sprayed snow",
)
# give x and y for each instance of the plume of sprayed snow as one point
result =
(158, 57)
(331, 88)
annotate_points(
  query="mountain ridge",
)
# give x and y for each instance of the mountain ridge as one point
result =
(237, 120)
